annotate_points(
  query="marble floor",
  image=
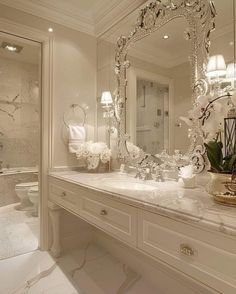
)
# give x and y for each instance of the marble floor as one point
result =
(19, 231)
(86, 270)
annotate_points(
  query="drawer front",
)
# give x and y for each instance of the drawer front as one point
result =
(196, 258)
(65, 197)
(113, 217)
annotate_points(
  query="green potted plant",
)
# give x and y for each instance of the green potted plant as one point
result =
(221, 169)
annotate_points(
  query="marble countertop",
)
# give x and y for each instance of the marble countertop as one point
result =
(165, 198)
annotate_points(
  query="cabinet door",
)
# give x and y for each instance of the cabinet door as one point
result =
(113, 217)
(65, 195)
(208, 264)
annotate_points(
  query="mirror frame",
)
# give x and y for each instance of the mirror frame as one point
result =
(200, 16)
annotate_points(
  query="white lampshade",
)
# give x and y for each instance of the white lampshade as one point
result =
(216, 66)
(106, 97)
(231, 71)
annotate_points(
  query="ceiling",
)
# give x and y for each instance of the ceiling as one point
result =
(175, 50)
(108, 19)
(89, 16)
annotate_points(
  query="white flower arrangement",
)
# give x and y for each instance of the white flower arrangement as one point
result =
(94, 153)
(207, 115)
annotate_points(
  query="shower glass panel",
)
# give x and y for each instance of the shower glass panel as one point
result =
(20, 72)
(152, 120)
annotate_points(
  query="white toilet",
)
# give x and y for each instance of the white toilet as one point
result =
(22, 192)
(33, 194)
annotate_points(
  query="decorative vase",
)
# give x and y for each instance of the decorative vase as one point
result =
(222, 188)
(217, 184)
(100, 167)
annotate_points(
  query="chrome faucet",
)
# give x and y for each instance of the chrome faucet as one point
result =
(147, 168)
(157, 174)
(143, 173)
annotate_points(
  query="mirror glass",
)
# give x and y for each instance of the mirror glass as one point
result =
(159, 79)
(159, 89)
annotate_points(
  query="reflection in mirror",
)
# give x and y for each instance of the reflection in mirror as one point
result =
(222, 81)
(159, 66)
(159, 88)
(152, 116)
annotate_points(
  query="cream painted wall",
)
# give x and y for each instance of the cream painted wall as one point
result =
(106, 80)
(182, 104)
(74, 76)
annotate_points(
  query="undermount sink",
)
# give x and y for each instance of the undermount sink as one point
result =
(127, 185)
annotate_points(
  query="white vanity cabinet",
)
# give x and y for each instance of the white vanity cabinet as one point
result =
(203, 255)
(206, 256)
(113, 217)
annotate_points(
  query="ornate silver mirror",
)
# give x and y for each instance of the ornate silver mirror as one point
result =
(179, 22)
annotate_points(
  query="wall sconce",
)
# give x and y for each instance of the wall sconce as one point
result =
(106, 98)
(108, 114)
(216, 67)
(231, 74)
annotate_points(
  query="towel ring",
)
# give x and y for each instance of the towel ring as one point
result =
(76, 115)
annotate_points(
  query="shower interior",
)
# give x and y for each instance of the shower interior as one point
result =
(20, 72)
(152, 116)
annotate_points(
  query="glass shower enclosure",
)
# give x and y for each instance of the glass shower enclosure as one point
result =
(20, 75)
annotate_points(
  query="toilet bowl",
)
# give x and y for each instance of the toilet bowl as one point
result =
(33, 194)
(22, 192)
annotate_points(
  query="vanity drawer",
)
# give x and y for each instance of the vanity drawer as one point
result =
(65, 196)
(204, 262)
(111, 216)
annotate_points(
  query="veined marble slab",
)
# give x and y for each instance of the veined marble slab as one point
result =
(19, 231)
(166, 198)
(86, 270)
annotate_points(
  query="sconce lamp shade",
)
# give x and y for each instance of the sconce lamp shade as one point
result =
(106, 98)
(231, 71)
(216, 66)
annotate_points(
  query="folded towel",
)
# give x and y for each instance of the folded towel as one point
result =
(77, 136)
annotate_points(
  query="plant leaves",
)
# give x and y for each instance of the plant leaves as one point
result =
(215, 155)
(232, 163)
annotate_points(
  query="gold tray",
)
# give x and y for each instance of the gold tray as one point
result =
(225, 199)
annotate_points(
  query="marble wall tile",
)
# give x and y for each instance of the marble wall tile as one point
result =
(19, 81)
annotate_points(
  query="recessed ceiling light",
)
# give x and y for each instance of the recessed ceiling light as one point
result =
(11, 47)
(50, 30)
(231, 43)
(165, 37)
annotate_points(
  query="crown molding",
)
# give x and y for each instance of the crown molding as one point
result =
(117, 10)
(102, 17)
(74, 20)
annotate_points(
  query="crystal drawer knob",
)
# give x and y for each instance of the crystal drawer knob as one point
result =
(63, 194)
(103, 212)
(186, 250)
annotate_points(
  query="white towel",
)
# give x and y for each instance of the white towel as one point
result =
(77, 136)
